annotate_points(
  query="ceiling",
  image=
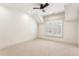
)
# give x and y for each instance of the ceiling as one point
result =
(52, 8)
(28, 7)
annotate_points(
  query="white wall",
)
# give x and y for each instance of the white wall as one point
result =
(78, 30)
(41, 31)
(71, 23)
(15, 27)
(70, 32)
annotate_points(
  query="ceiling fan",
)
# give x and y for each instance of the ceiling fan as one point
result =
(42, 6)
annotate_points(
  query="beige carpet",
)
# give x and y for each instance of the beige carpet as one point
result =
(40, 47)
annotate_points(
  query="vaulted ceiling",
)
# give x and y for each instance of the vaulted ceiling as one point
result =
(28, 7)
(36, 13)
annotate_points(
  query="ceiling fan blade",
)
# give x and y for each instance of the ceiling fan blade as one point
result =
(46, 4)
(36, 8)
(42, 6)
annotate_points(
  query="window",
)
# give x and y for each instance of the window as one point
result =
(54, 28)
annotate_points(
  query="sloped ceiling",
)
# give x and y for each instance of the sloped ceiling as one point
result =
(36, 13)
(52, 8)
(28, 7)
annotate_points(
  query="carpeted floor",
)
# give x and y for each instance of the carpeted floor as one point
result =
(40, 47)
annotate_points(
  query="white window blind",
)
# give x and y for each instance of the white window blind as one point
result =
(54, 28)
